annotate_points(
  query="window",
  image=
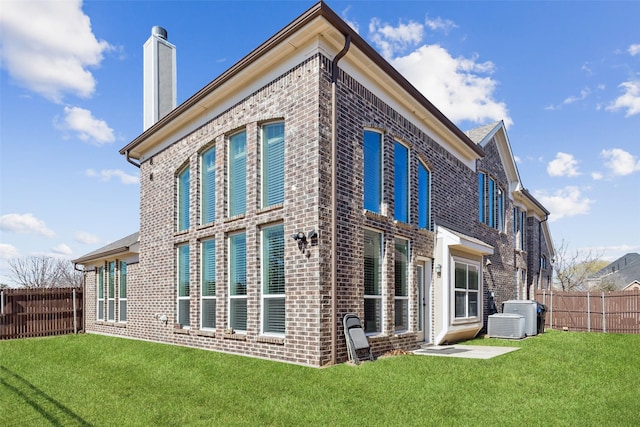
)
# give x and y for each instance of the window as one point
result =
(238, 282)
(543, 262)
(100, 293)
(122, 292)
(401, 285)
(372, 171)
(490, 202)
(183, 286)
(208, 168)
(272, 164)
(273, 291)
(237, 174)
(372, 281)
(466, 290)
(401, 182)
(208, 288)
(111, 292)
(424, 182)
(519, 222)
(183, 199)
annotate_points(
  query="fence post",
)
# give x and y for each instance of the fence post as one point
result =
(588, 312)
(2, 301)
(551, 310)
(604, 316)
(75, 325)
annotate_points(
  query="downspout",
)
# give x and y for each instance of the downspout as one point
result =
(334, 196)
(131, 161)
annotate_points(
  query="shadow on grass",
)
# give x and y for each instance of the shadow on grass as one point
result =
(50, 409)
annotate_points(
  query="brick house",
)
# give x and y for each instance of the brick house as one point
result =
(308, 181)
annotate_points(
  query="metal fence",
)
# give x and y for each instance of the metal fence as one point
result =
(616, 312)
(40, 312)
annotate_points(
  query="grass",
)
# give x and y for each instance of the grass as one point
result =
(558, 378)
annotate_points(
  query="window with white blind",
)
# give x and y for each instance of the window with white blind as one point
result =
(401, 275)
(208, 180)
(238, 282)
(519, 227)
(401, 183)
(273, 288)
(183, 286)
(424, 197)
(372, 171)
(100, 293)
(237, 174)
(372, 282)
(111, 291)
(183, 199)
(272, 164)
(122, 292)
(466, 285)
(208, 287)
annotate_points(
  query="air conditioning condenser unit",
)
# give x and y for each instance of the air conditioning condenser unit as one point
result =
(503, 325)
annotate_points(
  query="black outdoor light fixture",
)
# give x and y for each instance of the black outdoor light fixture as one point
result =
(299, 237)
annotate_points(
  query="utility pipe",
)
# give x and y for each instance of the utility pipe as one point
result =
(334, 198)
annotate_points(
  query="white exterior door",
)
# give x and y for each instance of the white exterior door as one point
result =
(423, 271)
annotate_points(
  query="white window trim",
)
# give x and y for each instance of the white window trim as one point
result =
(207, 297)
(236, 297)
(178, 297)
(264, 295)
(452, 274)
(382, 283)
(409, 281)
(381, 207)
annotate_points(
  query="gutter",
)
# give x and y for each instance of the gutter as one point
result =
(334, 198)
(131, 161)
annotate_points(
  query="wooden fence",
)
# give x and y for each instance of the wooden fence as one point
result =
(40, 312)
(616, 312)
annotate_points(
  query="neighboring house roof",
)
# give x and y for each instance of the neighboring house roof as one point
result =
(635, 285)
(621, 272)
(129, 244)
(317, 29)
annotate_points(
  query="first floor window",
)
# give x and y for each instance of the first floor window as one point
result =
(372, 282)
(100, 293)
(466, 290)
(273, 290)
(111, 291)
(183, 286)
(238, 282)
(401, 284)
(208, 288)
(122, 292)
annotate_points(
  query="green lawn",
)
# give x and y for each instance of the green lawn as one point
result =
(558, 378)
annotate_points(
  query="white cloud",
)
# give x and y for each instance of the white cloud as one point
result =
(438, 23)
(105, 175)
(565, 202)
(584, 93)
(87, 127)
(634, 49)
(563, 165)
(8, 251)
(85, 238)
(620, 162)
(47, 47)
(459, 87)
(629, 101)
(24, 224)
(352, 24)
(597, 176)
(392, 40)
(61, 249)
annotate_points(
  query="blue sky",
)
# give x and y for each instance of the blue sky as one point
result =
(564, 76)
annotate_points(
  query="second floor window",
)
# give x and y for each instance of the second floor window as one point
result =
(490, 202)
(237, 174)
(401, 182)
(208, 180)
(272, 164)
(183, 199)
(424, 183)
(372, 171)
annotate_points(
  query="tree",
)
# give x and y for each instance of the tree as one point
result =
(574, 268)
(43, 272)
